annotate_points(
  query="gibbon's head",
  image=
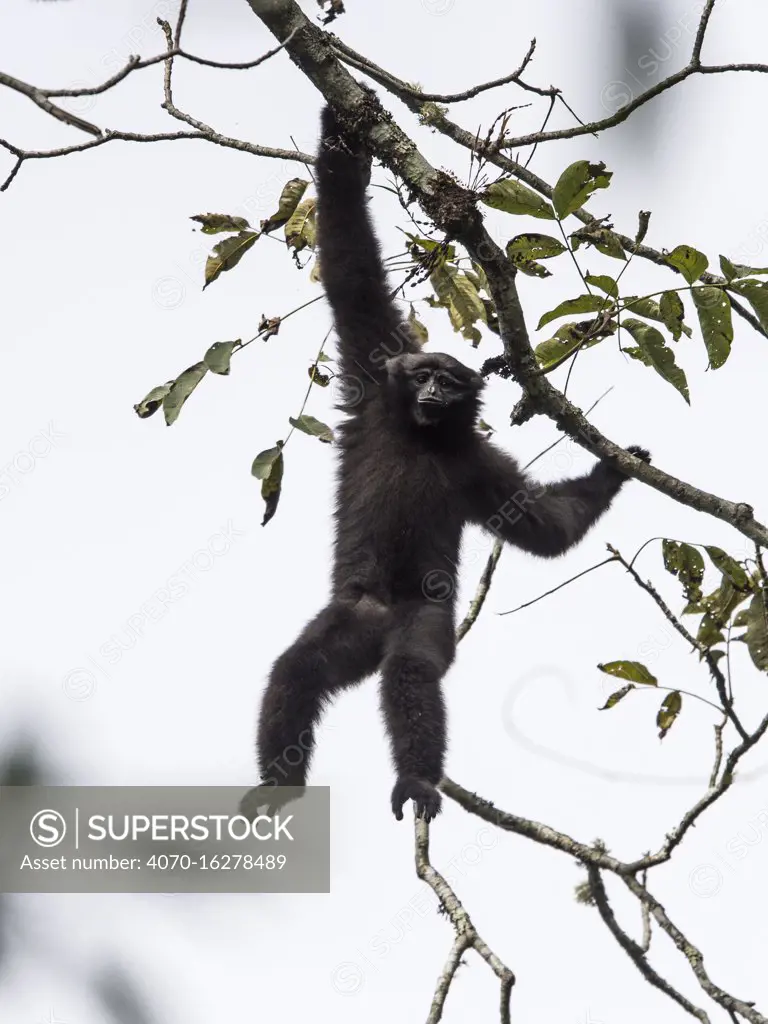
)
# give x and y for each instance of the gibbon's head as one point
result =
(435, 388)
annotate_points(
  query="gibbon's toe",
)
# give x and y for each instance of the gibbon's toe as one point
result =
(267, 800)
(640, 453)
(425, 796)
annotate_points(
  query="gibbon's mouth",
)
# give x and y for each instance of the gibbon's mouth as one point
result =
(431, 400)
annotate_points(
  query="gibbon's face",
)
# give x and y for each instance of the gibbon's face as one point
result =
(437, 385)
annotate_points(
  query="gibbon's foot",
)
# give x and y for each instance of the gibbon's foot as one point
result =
(268, 800)
(640, 453)
(423, 793)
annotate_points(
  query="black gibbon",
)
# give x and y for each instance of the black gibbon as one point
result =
(414, 469)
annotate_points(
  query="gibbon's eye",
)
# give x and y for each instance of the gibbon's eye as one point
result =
(445, 381)
(421, 378)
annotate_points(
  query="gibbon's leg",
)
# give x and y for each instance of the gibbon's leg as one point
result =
(339, 647)
(418, 651)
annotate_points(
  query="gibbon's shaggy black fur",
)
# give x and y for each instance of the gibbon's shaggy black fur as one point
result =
(413, 471)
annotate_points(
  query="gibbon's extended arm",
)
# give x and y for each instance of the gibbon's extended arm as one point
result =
(369, 327)
(544, 519)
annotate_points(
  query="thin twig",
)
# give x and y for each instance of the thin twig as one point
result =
(466, 934)
(704, 652)
(560, 586)
(635, 952)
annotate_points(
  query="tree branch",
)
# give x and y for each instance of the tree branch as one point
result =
(467, 936)
(635, 952)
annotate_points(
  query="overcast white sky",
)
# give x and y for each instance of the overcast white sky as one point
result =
(102, 274)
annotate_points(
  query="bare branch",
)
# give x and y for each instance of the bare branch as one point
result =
(467, 935)
(483, 586)
(40, 99)
(693, 955)
(635, 952)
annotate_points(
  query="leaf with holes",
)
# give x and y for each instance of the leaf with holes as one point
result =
(714, 309)
(152, 402)
(513, 197)
(418, 331)
(566, 339)
(634, 671)
(756, 294)
(457, 293)
(686, 563)
(652, 351)
(689, 261)
(212, 223)
(219, 354)
(602, 239)
(533, 246)
(576, 184)
(227, 254)
(616, 696)
(668, 712)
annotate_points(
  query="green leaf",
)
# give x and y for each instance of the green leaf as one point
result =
(567, 338)
(219, 354)
(485, 428)
(714, 309)
(582, 304)
(215, 222)
(418, 331)
(533, 246)
(530, 267)
(643, 306)
(672, 312)
(634, 671)
(227, 254)
(513, 197)
(289, 199)
(604, 283)
(732, 270)
(756, 636)
(300, 228)
(602, 239)
(616, 696)
(709, 632)
(262, 464)
(309, 425)
(653, 351)
(690, 262)
(576, 184)
(152, 402)
(323, 358)
(668, 712)
(686, 563)
(756, 294)
(180, 391)
(729, 567)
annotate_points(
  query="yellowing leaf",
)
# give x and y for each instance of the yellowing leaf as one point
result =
(215, 222)
(227, 254)
(290, 198)
(668, 712)
(653, 351)
(689, 261)
(634, 671)
(300, 229)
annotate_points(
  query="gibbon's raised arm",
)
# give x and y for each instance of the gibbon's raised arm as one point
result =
(544, 519)
(368, 324)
